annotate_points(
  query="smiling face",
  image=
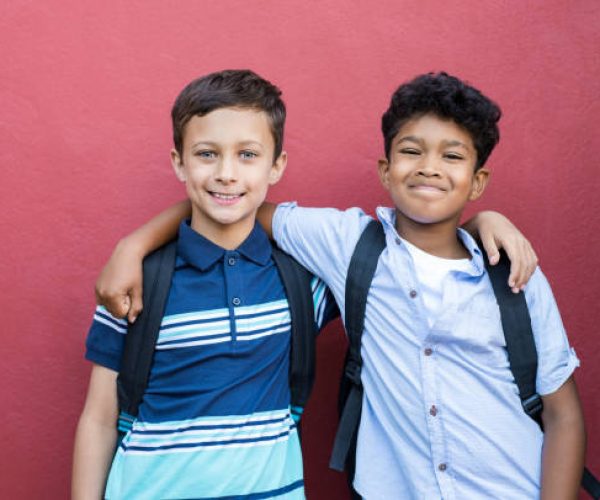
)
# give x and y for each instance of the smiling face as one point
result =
(431, 171)
(227, 166)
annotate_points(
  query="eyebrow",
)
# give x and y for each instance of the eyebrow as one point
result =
(416, 140)
(213, 144)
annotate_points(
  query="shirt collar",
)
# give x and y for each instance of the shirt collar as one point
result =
(387, 216)
(202, 253)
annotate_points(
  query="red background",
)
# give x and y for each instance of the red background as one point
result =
(86, 89)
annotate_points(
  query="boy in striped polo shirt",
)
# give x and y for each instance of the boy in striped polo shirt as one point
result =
(215, 419)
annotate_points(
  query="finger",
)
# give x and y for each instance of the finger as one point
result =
(136, 304)
(491, 249)
(117, 305)
(529, 262)
(516, 271)
(532, 263)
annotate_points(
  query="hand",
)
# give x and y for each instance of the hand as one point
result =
(495, 232)
(119, 286)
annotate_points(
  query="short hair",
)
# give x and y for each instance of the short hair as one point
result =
(224, 89)
(447, 97)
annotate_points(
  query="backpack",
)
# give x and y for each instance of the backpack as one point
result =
(141, 336)
(516, 324)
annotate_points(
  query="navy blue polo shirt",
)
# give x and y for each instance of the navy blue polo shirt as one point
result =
(215, 419)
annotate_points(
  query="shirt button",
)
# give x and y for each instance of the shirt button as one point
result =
(428, 351)
(231, 261)
(397, 240)
(433, 411)
(236, 301)
(413, 294)
(442, 467)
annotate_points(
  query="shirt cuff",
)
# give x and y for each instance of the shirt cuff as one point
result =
(559, 374)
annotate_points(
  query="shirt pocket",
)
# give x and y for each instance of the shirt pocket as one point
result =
(478, 330)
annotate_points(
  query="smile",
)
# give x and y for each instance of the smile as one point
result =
(427, 188)
(225, 198)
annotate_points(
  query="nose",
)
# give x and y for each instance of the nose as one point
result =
(226, 170)
(428, 167)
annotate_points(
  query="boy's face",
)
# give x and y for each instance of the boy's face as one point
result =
(227, 166)
(431, 172)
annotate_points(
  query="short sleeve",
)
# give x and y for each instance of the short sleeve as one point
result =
(556, 358)
(321, 239)
(105, 340)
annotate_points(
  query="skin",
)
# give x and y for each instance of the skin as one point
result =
(227, 167)
(96, 436)
(430, 177)
(564, 443)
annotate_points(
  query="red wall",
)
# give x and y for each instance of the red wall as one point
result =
(85, 94)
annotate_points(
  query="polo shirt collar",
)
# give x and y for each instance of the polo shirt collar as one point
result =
(388, 217)
(202, 253)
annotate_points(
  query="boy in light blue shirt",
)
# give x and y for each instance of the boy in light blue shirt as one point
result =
(441, 416)
(433, 348)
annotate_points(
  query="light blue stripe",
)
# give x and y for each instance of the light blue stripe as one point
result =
(224, 472)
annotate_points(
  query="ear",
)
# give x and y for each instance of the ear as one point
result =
(480, 181)
(383, 167)
(177, 165)
(277, 168)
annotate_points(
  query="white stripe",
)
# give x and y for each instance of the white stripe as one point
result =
(216, 421)
(202, 437)
(195, 316)
(103, 310)
(264, 334)
(246, 325)
(177, 345)
(106, 322)
(261, 308)
(248, 430)
(183, 332)
(214, 447)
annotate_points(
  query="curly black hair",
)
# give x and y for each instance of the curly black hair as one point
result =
(447, 97)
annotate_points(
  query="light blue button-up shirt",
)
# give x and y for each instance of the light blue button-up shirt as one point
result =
(441, 414)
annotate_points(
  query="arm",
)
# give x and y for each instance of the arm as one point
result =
(119, 286)
(564, 443)
(96, 436)
(264, 216)
(495, 231)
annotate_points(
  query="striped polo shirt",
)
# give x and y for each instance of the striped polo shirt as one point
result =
(215, 419)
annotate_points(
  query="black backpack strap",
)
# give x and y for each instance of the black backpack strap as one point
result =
(590, 484)
(522, 353)
(520, 344)
(358, 281)
(141, 336)
(297, 284)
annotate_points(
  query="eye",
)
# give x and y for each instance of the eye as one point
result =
(248, 155)
(453, 156)
(206, 154)
(410, 151)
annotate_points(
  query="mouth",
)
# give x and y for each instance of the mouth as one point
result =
(225, 198)
(427, 188)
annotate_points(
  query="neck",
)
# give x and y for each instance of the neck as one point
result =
(227, 236)
(439, 239)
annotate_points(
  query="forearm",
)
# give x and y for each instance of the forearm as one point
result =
(265, 217)
(157, 231)
(564, 446)
(94, 449)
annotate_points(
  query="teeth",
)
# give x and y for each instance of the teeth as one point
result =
(225, 196)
